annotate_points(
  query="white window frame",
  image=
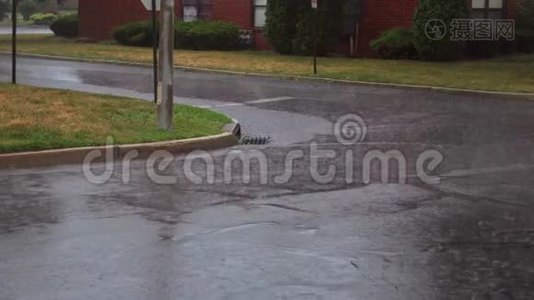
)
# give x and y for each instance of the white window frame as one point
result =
(198, 6)
(487, 9)
(259, 5)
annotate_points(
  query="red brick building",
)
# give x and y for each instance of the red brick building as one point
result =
(99, 17)
(380, 15)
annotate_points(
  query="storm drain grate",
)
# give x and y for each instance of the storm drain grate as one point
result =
(255, 140)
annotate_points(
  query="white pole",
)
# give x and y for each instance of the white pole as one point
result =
(166, 65)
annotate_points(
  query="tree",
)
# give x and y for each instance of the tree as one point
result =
(27, 8)
(5, 7)
(281, 24)
(292, 26)
(525, 24)
(430, 13)
(324, 25)
(526, 16)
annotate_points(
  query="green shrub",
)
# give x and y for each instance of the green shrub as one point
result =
(197, 35)
(446, 11)
(43, 19)
(66, 26)
(134, 34)
(397, 43)
(206, 35)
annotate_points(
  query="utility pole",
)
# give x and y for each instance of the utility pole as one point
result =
(155, 33)
(166, 65)
(14, 42)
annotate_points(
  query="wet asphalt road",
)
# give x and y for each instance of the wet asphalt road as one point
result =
(25, 29)
(470, 236)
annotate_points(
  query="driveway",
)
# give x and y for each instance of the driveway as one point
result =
(461, 228)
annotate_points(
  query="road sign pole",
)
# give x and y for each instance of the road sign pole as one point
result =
(315, 49)
(166, 65)
(314, 5)
(155, 49)
(14, 42)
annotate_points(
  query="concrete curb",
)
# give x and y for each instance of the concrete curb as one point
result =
(45, 158)
(529, 96)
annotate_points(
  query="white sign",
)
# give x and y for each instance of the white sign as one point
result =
(148, 4)
(190, 13)
(314, 4)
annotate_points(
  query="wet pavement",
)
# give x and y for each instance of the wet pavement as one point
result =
(468, 236)
(25, 29)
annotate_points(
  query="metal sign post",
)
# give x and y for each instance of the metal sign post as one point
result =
(166, 65)
(14, 42)
(154, 6)
(315, 5)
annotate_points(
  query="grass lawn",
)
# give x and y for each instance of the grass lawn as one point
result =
(510, 74)
(38, 119)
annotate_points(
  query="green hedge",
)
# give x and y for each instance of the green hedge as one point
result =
(134, 34)
(206, 35)
(397, 43)
(43, 19)
(197, 35)
(66, 26)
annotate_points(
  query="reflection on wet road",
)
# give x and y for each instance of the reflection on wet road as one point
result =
(468, 237)
(25, 29)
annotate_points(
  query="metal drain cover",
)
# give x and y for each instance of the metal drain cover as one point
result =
(255, 140)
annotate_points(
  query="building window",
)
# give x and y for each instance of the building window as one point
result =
(487, 9)
(197, 10)
(260, 8)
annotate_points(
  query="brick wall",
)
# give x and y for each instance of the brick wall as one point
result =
(235, 11)
(380, 15)
(240, 12)
(98, 18)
